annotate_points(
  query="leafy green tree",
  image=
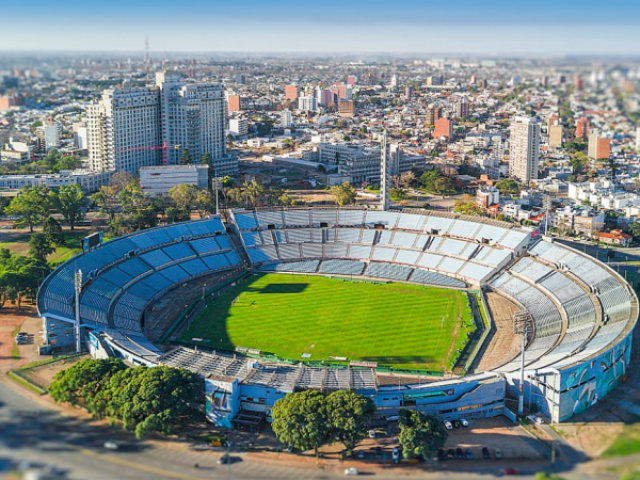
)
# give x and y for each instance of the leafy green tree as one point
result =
(40, 246)
(31, 206)
(443, 185)
(252, 193)
(301, 420)
(53, 231)
(20, 276)
(107, 200)
(550, 476)
(420, 435)
(184, 196)
(348, 413)
(185, 157)
(204, 202)
(154, 399)
(507, 186)
(174, 215)
(634, 229)
(398, 193)
(428, 179)
(344, 194)
(206, 159)
(70, 202)
(85, 384)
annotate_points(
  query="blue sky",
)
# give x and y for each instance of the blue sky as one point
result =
(501, 27)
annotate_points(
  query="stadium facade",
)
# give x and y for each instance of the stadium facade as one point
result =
(581, 312)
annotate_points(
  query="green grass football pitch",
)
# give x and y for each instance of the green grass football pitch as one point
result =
(406, 326)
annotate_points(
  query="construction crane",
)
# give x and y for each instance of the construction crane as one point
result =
(164, 147)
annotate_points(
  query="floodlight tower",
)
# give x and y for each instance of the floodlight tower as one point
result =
(78, 289)
(521, 324)
(384, 174)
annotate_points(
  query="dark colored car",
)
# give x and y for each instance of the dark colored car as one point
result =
(459, 453)
(451, 454)
(468, 454)
(485, 453)
(442, 455)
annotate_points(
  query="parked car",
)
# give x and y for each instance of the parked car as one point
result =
(511, 471)
(447, 425)
(442, 455)
(351, 471)
(468, 454)
(372, 434)
(464, 422)
(485, 453)
(456, 423)
(224, 459)
(395, 454)
(22, 338)
(459, 453)
(451, 454)
(498, 453)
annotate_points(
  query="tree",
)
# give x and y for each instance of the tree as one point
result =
(348, 413)
(300, 420)
(467, 206)
(107, 200)
(70, 202)
(40, 246)
(204, 202)
(443, 185)
(206, 159)
(634, 229)
(429, 178)
(85, 384)
(508, 186)
(420, 435)
(53, 231)
(31, 206)
(407, 179)
(20, 276)
(344, 194)
(185, 158)
(252, 193)
(184, 196)
(154, 399)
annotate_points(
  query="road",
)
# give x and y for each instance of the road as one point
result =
(29, 431)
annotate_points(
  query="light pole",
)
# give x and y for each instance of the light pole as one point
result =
(78, 289)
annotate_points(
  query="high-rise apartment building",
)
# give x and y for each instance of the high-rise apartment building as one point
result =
(524, 148)
(582, 128)
(599, 147)
(555, 136)
(324, 97)
(233, 103)
(346, 108)
(443, 128)
(123, 127)
(291, 92)
(285, 118)
(193, 116)
(308, 104)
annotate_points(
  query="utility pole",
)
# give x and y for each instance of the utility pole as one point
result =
(78, 288)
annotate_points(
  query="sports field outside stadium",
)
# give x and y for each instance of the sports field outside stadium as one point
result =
(304, 317)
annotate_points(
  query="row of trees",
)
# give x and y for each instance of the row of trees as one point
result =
(54, 162)
(143, 400)
(20, 277)
(310, 419)
(35, 204)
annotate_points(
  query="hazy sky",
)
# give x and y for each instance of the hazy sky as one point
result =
(550, 27)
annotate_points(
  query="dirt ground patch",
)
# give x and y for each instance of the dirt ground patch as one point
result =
(11, 321)
(504, 345)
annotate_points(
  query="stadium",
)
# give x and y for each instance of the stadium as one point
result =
(414, 309)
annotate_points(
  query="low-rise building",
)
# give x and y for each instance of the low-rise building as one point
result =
(158, 180)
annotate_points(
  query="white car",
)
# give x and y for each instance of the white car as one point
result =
(352, 471)
(464, 422)
(111, 445)
(447, 425)
(372, 434)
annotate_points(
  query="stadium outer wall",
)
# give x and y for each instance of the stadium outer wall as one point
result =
(558, 393)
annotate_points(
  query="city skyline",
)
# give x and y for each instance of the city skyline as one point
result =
(501, 28)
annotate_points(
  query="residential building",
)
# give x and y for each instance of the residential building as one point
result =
(434, 80)
(291, 92)
(524, 148)
(581, 220)
(443, 128)
(308, 104)
(582, 128)
(89, 181)
(551, 121)
(324, 97)
(487, 196)
(239, 127)
(345, 108)
(15, 152)
(285, 118)
(615, 237)
(599, 147)
(233, 103)
(461, 108)
(124, 130)
(193, 117)
(158, 180)
(9, 101)
(358, 162)
(555, 136)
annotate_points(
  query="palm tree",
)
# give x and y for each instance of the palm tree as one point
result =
(252, 191)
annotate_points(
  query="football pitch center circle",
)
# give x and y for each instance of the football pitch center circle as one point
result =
(314, 318)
